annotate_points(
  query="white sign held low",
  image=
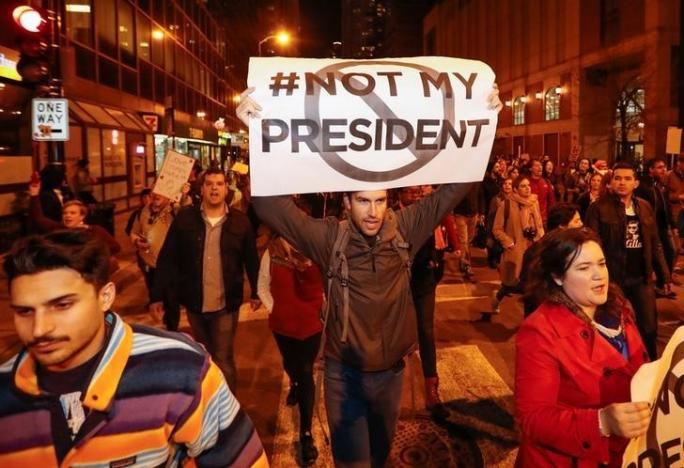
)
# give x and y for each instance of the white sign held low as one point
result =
(50, 119)
(174, 173)
(662, 384)
(336, 125)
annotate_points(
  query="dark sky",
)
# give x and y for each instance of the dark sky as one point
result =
(321, 25)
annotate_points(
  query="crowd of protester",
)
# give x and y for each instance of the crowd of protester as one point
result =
(371, 261)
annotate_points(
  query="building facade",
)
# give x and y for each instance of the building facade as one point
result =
(382, 28)
(141, 77)
(592, 77)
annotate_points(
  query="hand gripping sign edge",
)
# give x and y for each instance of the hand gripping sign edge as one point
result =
(341, 166)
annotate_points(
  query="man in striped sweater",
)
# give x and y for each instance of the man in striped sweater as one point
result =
(90, 389)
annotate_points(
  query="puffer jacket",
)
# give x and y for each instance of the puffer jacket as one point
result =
(382, 319)
(607, 217)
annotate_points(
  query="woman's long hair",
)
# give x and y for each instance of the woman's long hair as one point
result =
(559, 249)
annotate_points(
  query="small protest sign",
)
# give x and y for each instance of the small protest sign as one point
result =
(335, 125)
(174, 173)
(662, 384)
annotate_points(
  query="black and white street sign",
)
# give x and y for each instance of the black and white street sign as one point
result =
(50, 119)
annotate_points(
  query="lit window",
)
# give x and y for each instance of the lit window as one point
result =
(519, 111)
(552, 104)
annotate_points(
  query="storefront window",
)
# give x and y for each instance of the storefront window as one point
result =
(106, 26)
(126, 30)
(116, 190)
(113, 153)
(79, 19)
(95, 158)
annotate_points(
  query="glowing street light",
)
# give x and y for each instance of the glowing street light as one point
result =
(282, 37)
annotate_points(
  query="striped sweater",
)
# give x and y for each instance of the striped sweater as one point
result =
(154, 399)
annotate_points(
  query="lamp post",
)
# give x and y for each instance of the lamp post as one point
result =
(282, 37)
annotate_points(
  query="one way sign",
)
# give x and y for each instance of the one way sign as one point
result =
(50, 119)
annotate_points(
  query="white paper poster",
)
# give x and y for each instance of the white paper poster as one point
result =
(662, 384)
(174, 173)
(335, 125)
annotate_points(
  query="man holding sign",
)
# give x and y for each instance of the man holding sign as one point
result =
(370, 320)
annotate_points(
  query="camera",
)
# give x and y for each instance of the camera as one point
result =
(530, 233)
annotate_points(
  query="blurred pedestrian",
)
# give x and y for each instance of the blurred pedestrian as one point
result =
(675, 193)
(494, 247)
(577, 181)
(517, 225)
(83, 183)
(54, 191)
(596, 189)
(148, 235)
(652, 189)
(561, 216)
(575, 358)
(427, 270)
(74, 214)
(542, 188)
(467, 214)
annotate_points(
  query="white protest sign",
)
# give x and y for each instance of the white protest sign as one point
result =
(335, 125)
(662, 384)
(50, 119)
(174, 173)
(674, 140)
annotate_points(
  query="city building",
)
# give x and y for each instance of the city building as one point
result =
(141, 77)
(589, 77)
(382, 28)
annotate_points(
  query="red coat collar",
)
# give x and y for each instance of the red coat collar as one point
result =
(566, 324)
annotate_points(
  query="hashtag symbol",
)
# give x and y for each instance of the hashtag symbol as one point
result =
(290, 83)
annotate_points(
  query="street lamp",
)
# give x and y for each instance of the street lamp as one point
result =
(282, 37)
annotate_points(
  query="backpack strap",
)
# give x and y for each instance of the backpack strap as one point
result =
(338, 262)
(402, 248)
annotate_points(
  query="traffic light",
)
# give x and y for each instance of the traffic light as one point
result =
(33, 38)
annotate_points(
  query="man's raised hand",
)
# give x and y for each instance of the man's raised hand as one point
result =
(248, 107)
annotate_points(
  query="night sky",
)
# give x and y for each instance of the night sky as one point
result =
(321, 24)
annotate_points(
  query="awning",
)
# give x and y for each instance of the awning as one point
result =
(103, 116)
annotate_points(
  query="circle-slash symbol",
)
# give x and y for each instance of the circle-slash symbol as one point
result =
(333, 159)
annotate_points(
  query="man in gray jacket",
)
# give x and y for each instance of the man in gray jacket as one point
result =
(365, 345)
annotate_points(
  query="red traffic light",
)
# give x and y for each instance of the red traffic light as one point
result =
(29, 18)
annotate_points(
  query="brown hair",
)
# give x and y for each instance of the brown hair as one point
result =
(558, 250)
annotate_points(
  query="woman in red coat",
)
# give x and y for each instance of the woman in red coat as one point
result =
(291, 289)
(576, 355)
